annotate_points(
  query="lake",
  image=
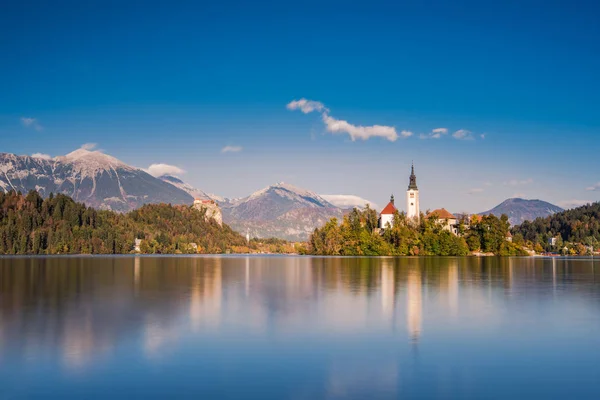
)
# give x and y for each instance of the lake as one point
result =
(279, 327)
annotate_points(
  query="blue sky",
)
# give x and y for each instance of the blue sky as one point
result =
(177, 82)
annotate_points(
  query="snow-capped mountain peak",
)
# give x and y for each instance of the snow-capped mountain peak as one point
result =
(291, 193)
(92, 177)
(89, 163)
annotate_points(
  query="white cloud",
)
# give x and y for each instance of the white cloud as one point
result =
(593, 188)
(436, 133)
(566, 204)
(475, 190)
(31, 123)
(359, 132)
(231, 149)
(89, 146)
(518, 196)
(517, 182)
(306, 106)
(462, 134)
(164, 169)
(334, 125)
(482, 136)
(42, 155)
(347, 201)
(406, 134)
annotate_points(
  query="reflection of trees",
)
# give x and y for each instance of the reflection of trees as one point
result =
(83, 307)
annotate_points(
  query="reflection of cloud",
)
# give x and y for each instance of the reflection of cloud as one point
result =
(206, 296)
(360, 379)
(158, 334)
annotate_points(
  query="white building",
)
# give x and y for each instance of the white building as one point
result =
(387, 214)
(412, 197)
(446, 220)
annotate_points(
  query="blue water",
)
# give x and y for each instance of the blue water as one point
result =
(299, 328)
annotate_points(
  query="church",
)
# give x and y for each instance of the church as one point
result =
(412, 203)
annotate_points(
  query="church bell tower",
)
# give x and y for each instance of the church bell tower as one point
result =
(412, 196)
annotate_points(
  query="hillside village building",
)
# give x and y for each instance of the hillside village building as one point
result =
(444, 218)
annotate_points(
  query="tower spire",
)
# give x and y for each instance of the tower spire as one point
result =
(412, 184)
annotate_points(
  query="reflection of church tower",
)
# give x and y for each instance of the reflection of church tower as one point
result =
(387, 289)
(415, 307)
(412, 196)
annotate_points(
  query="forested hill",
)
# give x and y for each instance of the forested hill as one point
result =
(30, 224)
(579, 225)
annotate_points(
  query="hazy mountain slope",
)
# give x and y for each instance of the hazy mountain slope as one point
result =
(519, 210)
(280, 210)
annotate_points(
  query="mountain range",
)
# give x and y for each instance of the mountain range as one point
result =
(520, 210)
(281, 210)
(104, 182)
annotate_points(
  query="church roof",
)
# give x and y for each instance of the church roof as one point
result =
(389, 209)
(440, 213)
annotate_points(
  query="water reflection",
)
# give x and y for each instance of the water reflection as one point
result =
(78, 312)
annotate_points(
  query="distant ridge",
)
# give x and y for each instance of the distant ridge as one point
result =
(519, 210)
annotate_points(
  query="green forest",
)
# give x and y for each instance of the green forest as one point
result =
(30, 224)
(358, 234)
(575, 230)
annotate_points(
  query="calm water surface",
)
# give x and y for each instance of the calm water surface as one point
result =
(299, 328)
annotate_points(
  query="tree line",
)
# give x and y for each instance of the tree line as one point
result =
(30, 224)
(575, 231)
(358, 234)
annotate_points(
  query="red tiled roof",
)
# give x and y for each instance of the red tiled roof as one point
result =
(440, 213)
(389, 209)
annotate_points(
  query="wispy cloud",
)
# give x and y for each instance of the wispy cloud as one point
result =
(482, 136)
(463, 134)
(33, 123)
(89, 146)
(42, 155)
(475, 190)
(436, 133)
(593, 188)
(231, 149)
(406, 134)
(347, 200)
(359, 132)
(306, 106)
(161, 169)
(566, 204)
(517, 182)
(337, 126)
